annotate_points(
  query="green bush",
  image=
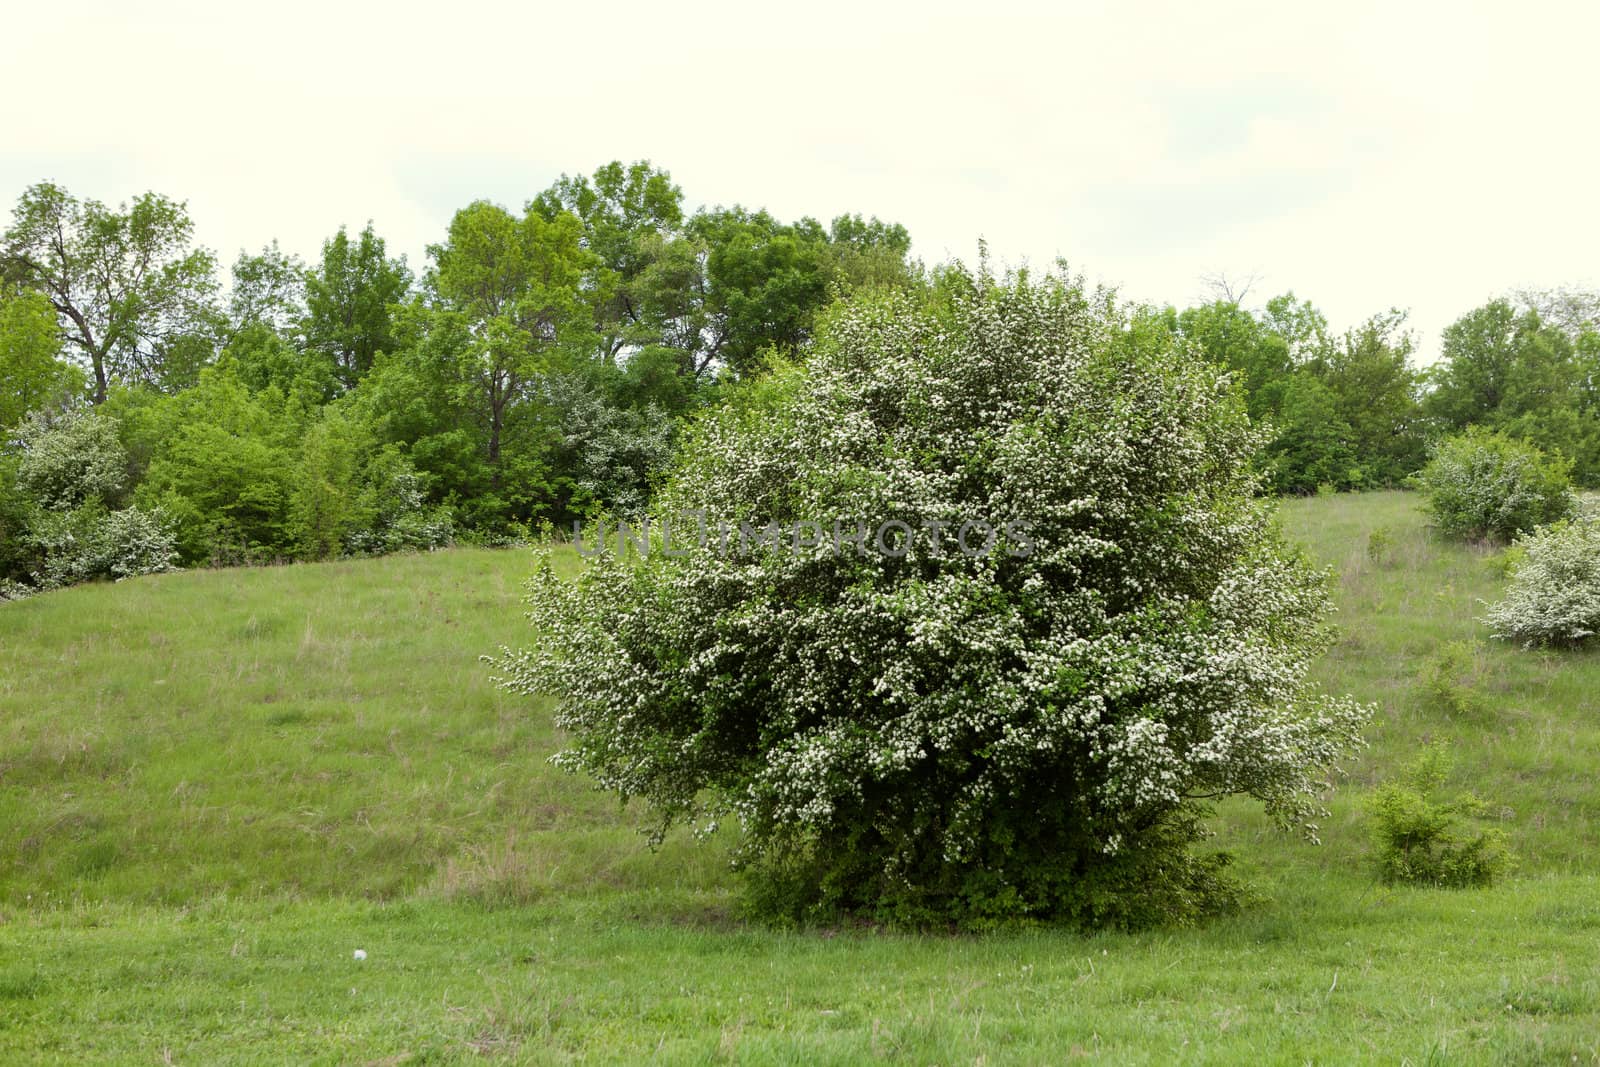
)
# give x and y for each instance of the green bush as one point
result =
(1442, 684)
(1027, 733)
(1379, 543)
(1489, 487)
(1554, 594)
(221, 463)
(1418, 836)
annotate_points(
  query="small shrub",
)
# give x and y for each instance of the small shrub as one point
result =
(1419, 838)
(1379, 541)
(1489, 487)
(1442, 687)
(1554, 595)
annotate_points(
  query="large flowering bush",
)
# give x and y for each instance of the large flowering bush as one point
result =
(1487, 486)
(1027, 732)
(1554, 595)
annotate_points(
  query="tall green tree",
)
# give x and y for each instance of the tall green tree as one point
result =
(1314, 446)
(870, 254)
(32, 373)
(136, 298)
(735, 284)
(517, 284)
(1481, 351)
(269, 289)
(268, 323)
(1369, 373)
(1233, 337)
(350, 300)
(627, 213)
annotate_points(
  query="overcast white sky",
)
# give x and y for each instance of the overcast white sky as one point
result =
(1365, 155)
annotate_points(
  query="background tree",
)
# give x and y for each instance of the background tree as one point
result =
(736, 284)
(350, 298)
(135, 299)
(1569, 309)
(1314, 446)
(627, 213)
(1234, 338)
(269, 289)
(32, 373)
(516, 283)
(1368, 372)
(1509, 370)
(866, 254)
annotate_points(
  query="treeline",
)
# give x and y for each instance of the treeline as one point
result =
(538, 367)
(535, 369)
(1352, 410)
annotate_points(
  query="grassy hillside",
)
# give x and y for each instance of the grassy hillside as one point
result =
(305, 731)
(215, 786)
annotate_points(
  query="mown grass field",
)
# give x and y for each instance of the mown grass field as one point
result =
(215, 786)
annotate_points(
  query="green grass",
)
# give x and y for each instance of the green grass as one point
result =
(215, 786)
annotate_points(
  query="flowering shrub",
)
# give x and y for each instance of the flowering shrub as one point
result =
(1554, 595)
(70, 470)
(88, 543)
(70, 457)
(1487, 486)
(1027, 733)
(397, 517)
(613, 452)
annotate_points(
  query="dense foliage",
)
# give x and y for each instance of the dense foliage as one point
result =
(541, 364)
(67, 518)
(1424, 839)
(931, 734)
(1554, 593)
(1487, 486)
(537, 370)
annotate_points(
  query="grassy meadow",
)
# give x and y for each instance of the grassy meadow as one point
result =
(215, 786)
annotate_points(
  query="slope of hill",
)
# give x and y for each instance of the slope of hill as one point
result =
(215, 786)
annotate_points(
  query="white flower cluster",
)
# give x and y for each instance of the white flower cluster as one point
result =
(1554, 595)
(1148, 653)
(71, 470)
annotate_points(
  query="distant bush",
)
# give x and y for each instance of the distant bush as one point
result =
(1487, 486)
(1554, 595)
(1419, 838)
(69, 458)
(88, 543)
(1441, 684)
